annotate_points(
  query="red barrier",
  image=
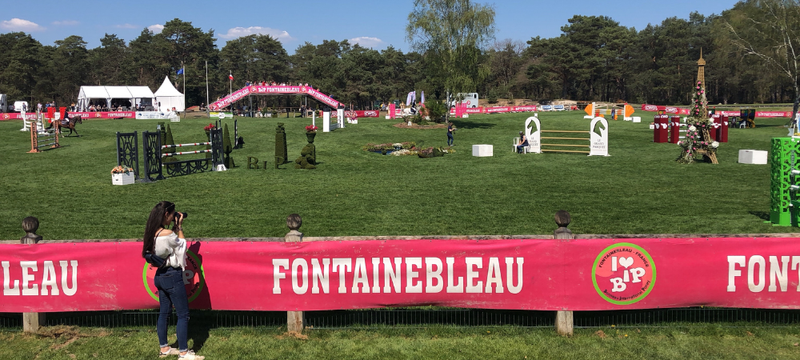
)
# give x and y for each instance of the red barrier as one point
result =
(675, 129)
(596, 274)
(720, 130)
(660, 132)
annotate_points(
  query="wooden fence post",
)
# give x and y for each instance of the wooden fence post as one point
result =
(294, 319)
(564, 321)
(33, 320)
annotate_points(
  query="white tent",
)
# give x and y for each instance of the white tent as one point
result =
(168, 97)
(134, 95)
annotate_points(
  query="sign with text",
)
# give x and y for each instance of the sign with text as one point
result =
(551, 275)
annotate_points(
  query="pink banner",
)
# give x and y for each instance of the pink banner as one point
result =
(273, 90)
(85, 115)
(105, 114)
(666, 109)
(367, 113)
(17, 116)
(592, 274)
(497, 109)
(682, 111)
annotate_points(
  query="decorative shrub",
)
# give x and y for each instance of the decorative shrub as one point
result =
(280, 145)
(226, 147)
(436, 110)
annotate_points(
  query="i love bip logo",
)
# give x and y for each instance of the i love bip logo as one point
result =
(623, 274)
(193, 277)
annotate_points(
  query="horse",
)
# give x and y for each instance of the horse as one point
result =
(71, 125)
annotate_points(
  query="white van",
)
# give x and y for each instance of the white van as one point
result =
(471, 99)
(18, 106)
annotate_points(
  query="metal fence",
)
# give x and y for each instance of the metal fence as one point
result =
(422, 317)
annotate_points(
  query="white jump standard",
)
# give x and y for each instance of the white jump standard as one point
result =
(598, 138)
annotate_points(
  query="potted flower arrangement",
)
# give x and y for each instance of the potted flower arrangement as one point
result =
(311, 132)
(122, 175)
(208, 128)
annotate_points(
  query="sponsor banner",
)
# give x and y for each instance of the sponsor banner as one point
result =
(367, 113)
(786, 114)
(529, 108)
(104, 114)
(216, 115)
(273, 90)
(666, 109)
(498, 109)
(143, 115)
(17, 116)
(549, 275)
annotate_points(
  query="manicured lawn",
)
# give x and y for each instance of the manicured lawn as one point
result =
(638, 189)
(677, 342)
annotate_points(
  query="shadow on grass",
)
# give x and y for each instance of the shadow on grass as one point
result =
(471, 125)
(763, 215)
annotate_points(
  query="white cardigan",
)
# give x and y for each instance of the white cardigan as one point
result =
(173, 249)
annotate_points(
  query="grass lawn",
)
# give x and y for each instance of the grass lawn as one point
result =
(677, 342)
(638, 189)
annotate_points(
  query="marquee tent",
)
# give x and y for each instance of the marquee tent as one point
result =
(168, 97)
(135, 95)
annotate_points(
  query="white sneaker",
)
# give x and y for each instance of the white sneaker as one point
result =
(190, 355)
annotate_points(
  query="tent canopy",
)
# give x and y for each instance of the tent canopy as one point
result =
(169, 97)
(107, 93)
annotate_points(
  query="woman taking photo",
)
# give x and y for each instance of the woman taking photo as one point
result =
(169, 245)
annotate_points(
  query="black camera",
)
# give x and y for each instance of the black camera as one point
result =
(180, 215)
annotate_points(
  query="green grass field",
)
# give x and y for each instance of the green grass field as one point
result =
(677, 342)
(639, 189)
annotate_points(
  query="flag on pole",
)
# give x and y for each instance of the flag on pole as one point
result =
(180, 71)
(230, 76)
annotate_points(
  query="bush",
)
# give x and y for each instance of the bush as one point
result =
(492, 98)
(436, 110)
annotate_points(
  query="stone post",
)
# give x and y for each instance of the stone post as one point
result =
(33, 320)
(564, 322)
(294, 319)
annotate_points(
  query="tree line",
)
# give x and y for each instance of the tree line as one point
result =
(593, 59)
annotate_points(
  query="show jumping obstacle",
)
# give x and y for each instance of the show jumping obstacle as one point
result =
(154, 154)
(42, 140)
(597, 142)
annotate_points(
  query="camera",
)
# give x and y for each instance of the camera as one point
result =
(180, 215)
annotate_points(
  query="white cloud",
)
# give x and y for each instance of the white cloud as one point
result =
(238, 32)
(66, 23)
(156, 29)
(366, 41)
(126, 26)
(17, 24)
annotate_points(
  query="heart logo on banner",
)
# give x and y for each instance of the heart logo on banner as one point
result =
(626, 262)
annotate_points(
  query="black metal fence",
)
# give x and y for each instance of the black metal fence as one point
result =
(422, 317)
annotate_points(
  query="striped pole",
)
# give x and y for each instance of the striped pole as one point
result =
(186, 153)
(181, 145)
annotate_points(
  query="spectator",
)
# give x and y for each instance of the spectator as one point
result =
(523, 142)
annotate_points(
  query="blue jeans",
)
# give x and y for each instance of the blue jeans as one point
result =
(449, 139)
(171, 292)
(520, 147)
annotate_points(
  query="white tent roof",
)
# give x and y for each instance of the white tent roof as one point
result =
(167, 89)
(93, 92)
(118, 92)
(115, 92)
(141, 92)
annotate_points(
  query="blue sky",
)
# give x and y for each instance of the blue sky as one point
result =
(373, 24)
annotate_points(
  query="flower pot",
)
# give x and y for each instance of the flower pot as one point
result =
(122, 179)
(310, 136)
